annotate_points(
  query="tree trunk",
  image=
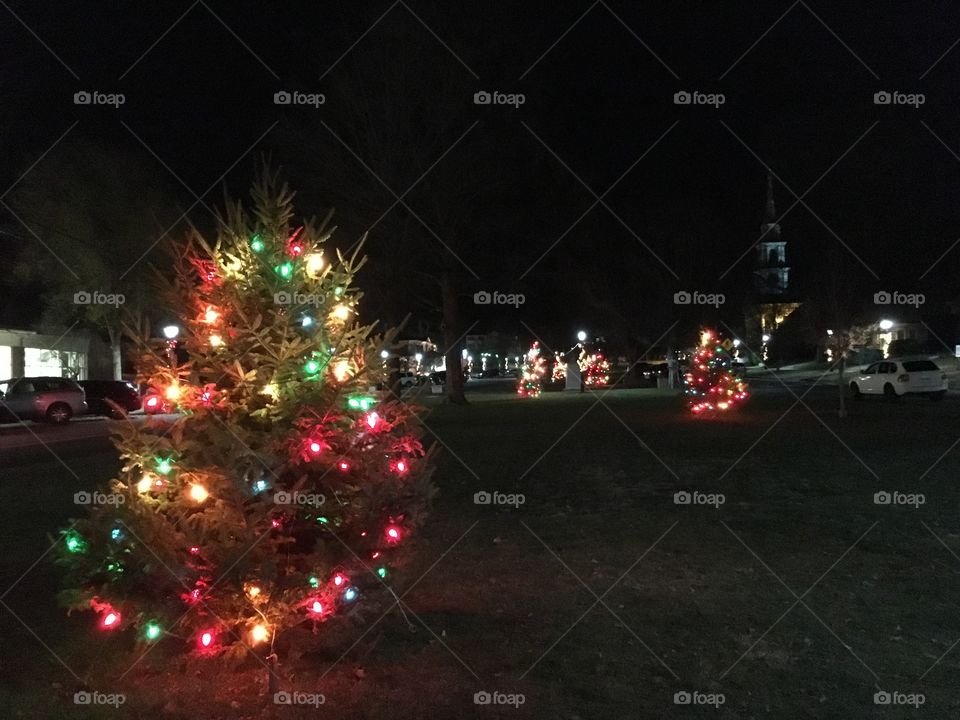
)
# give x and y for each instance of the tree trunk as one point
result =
(842, 385)
(116, 353)
(451, 340)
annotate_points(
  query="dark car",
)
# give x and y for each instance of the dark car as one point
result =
(123, 393)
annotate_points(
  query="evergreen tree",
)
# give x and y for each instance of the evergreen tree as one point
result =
(286, 493)
(711, 383)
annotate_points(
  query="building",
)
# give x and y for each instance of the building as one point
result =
(772, 300)
(74, 354)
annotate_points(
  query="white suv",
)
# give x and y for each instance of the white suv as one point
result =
(893, 378)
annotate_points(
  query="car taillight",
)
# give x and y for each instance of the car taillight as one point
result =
(904, 378)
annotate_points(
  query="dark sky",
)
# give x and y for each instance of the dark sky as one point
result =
(798, 79)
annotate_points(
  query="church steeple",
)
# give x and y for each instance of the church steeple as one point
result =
(770, 216)
(772, 274)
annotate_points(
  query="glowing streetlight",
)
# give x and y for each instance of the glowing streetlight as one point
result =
(736, 342)
(582, 336)
(384, 354)
(170, 332)
(418, 357)
(830, 333)
(886, 324)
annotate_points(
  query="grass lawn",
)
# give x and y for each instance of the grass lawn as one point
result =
(797, 597)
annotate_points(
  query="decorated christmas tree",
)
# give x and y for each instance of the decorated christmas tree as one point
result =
(596, 370)
(559, 374)
(711, 383)
(532, 372)
(286, 493)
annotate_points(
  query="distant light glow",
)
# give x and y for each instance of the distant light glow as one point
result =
(198, 493)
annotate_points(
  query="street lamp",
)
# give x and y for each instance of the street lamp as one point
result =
(384, 354)
(886, 324)
(582, 336)
(170, 332)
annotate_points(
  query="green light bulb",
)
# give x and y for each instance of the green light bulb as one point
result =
(164, 466)
(152, 631)
(285, 270)
(256, 244)
(382, 572)
(314, 582)
(74, 542)
(312, 367)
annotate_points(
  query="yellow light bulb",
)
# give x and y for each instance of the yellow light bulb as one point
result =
(314, 264)
(341, 312)
(271, 390)
(211, 315)
(198, 493)
(253, 591)
(173, 393)
(216, 341)
(146, 482)
(260, 633)
(341, 370)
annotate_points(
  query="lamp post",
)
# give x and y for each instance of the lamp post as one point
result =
(171, 333)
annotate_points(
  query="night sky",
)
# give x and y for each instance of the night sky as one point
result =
(599, 79)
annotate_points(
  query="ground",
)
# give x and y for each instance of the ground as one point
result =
(599, 596)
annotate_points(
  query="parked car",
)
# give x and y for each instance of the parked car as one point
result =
(123, 393)
(895, 378)
(409, 379)
(51, 399)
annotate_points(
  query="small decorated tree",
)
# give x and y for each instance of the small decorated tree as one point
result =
(596, 370)
(286, 493)
(711, 385)
(559, 374)
(532, 372)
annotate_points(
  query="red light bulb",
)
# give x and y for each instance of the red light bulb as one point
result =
(340, 579)
(110, 620)
(315, 447)
(206, 638)
(344, 466)
(393, 533)
(316, 608)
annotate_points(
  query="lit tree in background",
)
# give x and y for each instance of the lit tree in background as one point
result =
(532, 372)
(596, 370)
(711, 384)
(559, 374)
(286, 494)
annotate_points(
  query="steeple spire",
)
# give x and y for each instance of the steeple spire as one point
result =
(770, 215)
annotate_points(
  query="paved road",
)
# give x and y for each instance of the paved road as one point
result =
(22, 443)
